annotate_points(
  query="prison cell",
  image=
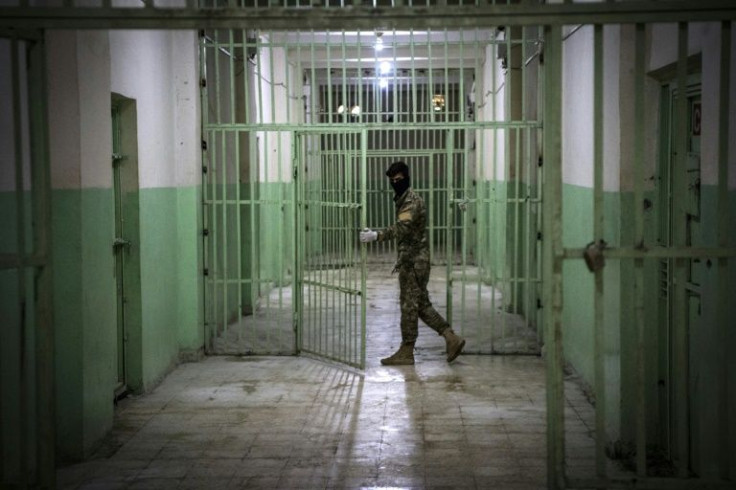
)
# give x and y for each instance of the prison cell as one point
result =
(411, 94)
(244, 135)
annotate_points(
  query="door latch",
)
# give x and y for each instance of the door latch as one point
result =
(119, 243)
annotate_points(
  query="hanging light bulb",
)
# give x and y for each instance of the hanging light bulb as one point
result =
(378, 45)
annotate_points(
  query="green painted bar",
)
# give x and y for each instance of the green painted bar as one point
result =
(639, 110)
(724, 214)
(552, 257)
(598, 227)
(22, 369)
(680, 341)
(43, 307)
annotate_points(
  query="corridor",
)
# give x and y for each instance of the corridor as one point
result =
(295, 422)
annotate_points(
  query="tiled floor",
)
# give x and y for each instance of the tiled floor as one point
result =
(295, 422)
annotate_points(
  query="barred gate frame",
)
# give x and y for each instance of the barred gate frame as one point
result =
(15, 19)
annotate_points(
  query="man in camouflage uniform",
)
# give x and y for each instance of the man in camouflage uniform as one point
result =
(410, 233)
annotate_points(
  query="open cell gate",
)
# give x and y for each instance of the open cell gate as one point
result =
(299, 128)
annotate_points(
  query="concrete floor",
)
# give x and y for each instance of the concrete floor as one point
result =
(295, 422)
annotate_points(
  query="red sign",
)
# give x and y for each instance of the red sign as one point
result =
(696, 118)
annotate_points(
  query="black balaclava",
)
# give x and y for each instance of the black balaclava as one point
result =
(401, 186)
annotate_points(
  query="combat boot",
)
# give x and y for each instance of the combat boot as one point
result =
(455, 344)
(402, 357)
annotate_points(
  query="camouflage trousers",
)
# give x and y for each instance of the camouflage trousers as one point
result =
(415, 303)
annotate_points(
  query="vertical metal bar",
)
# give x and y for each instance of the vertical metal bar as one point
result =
(253, 165)
(680, 307)
(527, 232)
(363, 224)
(261, 117)
(20, 216)
(225, 235)
(598, 304)
(246, 78)
(553, 255)
(298, 243)
(639, 114)
(272, 80)
(724, 105)
(493, 202)
(205, 195)
(41, 185)
(450, 145)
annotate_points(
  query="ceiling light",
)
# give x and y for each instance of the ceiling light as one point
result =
(384, 67)
(383, 83)
(355, 111)
(378, 46)
(340, 109)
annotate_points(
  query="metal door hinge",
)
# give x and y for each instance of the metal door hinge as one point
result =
(206, 232)
(540, 162)
(204, 145)
(539, 303)
(539, 235)
(203, 82)
(206, 271)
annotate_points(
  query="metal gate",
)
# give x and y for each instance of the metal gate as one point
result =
(330, 303)
(26, 337)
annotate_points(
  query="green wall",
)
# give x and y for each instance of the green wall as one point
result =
(706, 363)
(84, 317)
(85, 303)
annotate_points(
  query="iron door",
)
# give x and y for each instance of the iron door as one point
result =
(330, 307)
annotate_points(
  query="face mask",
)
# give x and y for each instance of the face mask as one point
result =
(401, 186)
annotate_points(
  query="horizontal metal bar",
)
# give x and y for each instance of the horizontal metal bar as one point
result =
(327, 204)
(272, 202)
(658, 252)
(365, 17)
(24, 34)
(332, 287)
(12, 261)
(477, 278)
(323, 128)
(649, 483)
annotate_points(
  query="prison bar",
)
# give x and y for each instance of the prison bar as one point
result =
(598, 223)
(639, 111)
(724, 211)
(552, 221)
(430, 132)
(439, 16)
(23, 367)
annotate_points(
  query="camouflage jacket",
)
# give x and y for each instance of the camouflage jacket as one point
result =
(410, 229)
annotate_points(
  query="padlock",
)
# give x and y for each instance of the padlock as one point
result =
(594, 256)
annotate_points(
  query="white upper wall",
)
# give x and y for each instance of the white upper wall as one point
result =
(158, 69)
(80, 127)
(577, 108)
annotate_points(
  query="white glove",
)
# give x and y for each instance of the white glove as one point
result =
(368, 235)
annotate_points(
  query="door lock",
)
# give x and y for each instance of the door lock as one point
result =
(119, 243)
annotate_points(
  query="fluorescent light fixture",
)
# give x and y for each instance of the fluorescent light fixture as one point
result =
(383, 83)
